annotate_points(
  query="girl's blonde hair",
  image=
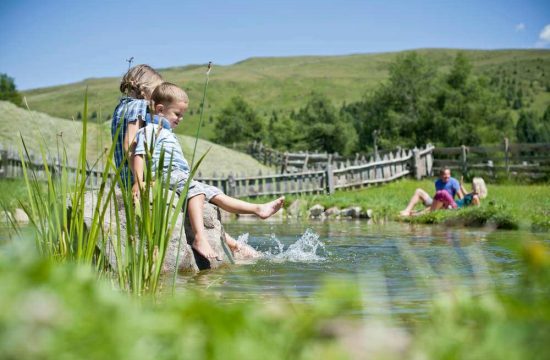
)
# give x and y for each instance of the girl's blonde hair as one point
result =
(167, 93)
(140, 81)
(478, 184)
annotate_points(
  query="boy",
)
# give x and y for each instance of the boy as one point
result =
(169, 103)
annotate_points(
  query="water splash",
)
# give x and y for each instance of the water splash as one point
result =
(303, 250)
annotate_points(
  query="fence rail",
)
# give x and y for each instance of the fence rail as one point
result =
(343, 175)
(305, 160)
(507, 159)
(336, 173)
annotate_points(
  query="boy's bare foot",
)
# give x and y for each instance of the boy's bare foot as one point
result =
(405, 213)
(202, 246)
(270, 208)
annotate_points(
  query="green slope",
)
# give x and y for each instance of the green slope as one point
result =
(39, 129)
(282, 83)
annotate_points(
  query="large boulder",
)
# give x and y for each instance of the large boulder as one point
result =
(188, 260)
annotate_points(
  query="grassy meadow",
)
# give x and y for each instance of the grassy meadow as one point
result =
(38, 128)
(282, 83)
(507, 205)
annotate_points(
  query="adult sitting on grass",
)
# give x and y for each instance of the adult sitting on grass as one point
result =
(443, 200)
(444, 183)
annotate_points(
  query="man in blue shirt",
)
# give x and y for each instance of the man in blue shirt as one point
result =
(445, 182)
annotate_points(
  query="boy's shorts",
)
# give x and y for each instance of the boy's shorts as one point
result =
(198, 188)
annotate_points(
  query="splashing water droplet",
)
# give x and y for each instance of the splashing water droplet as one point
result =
(303, 250)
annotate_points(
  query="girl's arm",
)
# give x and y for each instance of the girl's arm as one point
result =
(138, 174)
(462, 189)
(130, 141)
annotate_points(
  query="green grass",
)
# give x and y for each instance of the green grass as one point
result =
(508, 205)
(12, 192)
(282, 83)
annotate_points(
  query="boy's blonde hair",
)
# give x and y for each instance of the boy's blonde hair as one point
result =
(140, 81)
(167, 93)
(478, 184)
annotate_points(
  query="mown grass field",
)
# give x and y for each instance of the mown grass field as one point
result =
(284, 83)
(41, 129)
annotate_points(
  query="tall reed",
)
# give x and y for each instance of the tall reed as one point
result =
(58, 216)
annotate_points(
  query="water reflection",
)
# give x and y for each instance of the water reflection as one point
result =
(399, 267)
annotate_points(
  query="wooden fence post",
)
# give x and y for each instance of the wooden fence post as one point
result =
(4, 164)
(231, 185)
(507, 156)
(416, 164)
(330, 179)
(464, 159)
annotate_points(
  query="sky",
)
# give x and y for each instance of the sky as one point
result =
(48, 42)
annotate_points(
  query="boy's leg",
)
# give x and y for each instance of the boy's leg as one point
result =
(237, 206)
(201, 245)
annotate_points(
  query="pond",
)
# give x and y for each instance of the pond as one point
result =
(398, 267)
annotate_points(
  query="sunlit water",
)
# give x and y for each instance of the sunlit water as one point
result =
(398, 267)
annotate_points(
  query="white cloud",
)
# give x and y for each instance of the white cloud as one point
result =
(520, 27)
(544, 35)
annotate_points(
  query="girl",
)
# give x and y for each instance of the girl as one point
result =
(137, 85)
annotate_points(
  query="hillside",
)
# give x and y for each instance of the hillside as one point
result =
(38, 128)
(282, 83)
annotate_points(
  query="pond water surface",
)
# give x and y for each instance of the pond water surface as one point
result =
(398, 267)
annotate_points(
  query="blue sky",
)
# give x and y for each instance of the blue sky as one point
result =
(45, 43)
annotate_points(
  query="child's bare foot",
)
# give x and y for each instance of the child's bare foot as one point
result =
(270, 208)
(241, 250)
(246, 252)
(202, 246)
(405, 213)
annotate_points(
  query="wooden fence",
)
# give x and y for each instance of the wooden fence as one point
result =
(507, 159)
(289, 162)
(392, 166)
(11, 167)
(345, 175)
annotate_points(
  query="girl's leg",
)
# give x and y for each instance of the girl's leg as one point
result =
(241, 251)
(436, 205)
(419, 195)
(200, 244)
(237, 206)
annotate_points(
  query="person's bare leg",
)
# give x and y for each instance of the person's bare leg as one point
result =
(237, 206)
(200, 244)
(419, 195)
(436, 205)
(242, 251)
(231, 242)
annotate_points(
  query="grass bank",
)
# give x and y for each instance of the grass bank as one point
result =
(507, 205)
